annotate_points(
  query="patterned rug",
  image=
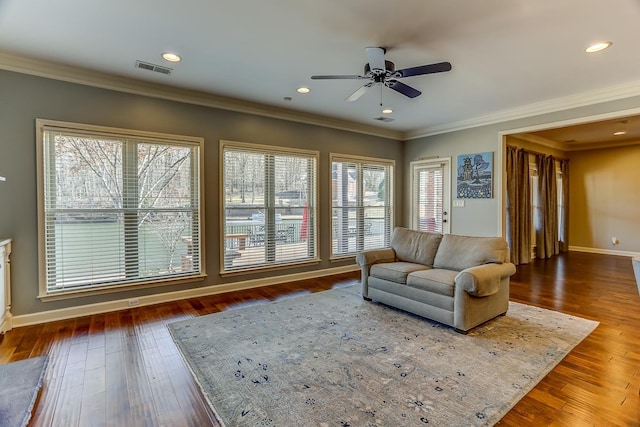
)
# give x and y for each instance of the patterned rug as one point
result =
(19, 385)
(332, 359)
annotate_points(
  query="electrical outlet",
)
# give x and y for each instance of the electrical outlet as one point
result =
(615, 240)
(133, 302)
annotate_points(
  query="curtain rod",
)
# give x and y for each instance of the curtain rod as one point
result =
(537, 152)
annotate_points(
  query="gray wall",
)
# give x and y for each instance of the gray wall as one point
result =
(25, 98)
(484, 217)
(479, 217)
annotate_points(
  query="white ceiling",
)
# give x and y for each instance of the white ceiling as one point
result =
(506, 54)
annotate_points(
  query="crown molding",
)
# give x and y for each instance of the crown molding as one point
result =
(611, 93)
(87, 77)
(566, 147)
(535, 139)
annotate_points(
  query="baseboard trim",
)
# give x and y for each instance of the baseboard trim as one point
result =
(105, 307)
(7, 323)
(603, 251)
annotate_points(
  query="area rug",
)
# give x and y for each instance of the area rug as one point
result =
(19, 385)
(332, 359)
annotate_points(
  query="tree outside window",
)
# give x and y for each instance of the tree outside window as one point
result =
(117, 208)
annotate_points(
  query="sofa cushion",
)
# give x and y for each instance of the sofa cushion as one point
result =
(415, 246)
(460, 252)
(437, 280)
(395, 271)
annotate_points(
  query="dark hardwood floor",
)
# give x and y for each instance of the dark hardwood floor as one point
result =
(598, 383)
(123, 369)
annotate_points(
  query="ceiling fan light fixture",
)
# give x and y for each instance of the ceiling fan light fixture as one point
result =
(597, 47)
(303, 90)
(387, 111)
(171, 57)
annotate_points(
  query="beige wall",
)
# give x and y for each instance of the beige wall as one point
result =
(605, 198)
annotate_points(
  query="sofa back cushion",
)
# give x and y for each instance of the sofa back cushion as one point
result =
(415, 246)
(460, 252)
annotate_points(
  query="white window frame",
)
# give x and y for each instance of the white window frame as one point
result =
(270, 239)
(418, 165)
(361, 239)
(196, 249)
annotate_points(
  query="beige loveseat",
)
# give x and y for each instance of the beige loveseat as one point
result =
(456, 280)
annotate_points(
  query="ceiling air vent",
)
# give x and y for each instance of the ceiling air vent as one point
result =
(153, 67)
(384, 119)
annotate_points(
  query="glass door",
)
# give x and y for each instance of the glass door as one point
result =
(430, 204)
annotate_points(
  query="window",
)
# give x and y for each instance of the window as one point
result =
(536, 205)
(561, 199)
(269, 206)
(361, 204)
(117, 208)
(430, 196)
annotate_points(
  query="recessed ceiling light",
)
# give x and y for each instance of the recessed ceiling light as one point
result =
(303, 90)
(171, 57)
(597, 47)
(619, 133)
(387, 111)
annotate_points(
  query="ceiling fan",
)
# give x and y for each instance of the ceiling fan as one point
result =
(380, 71)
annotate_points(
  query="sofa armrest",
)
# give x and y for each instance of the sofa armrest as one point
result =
(373, 256)
(366, 259)
(484, 280)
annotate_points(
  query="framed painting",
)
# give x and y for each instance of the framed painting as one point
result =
(475, 176)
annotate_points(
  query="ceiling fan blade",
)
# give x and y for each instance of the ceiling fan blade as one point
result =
(335, 77)
(359, 92)
(440, 67)
(375, 56)
(403, 88)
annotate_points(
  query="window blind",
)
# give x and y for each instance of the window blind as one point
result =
(117, 210)
(269, 208)
(362, 204)
(428, 197)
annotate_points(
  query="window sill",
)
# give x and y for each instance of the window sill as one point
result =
(80, 293)
(339, 258)
(270, 267)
